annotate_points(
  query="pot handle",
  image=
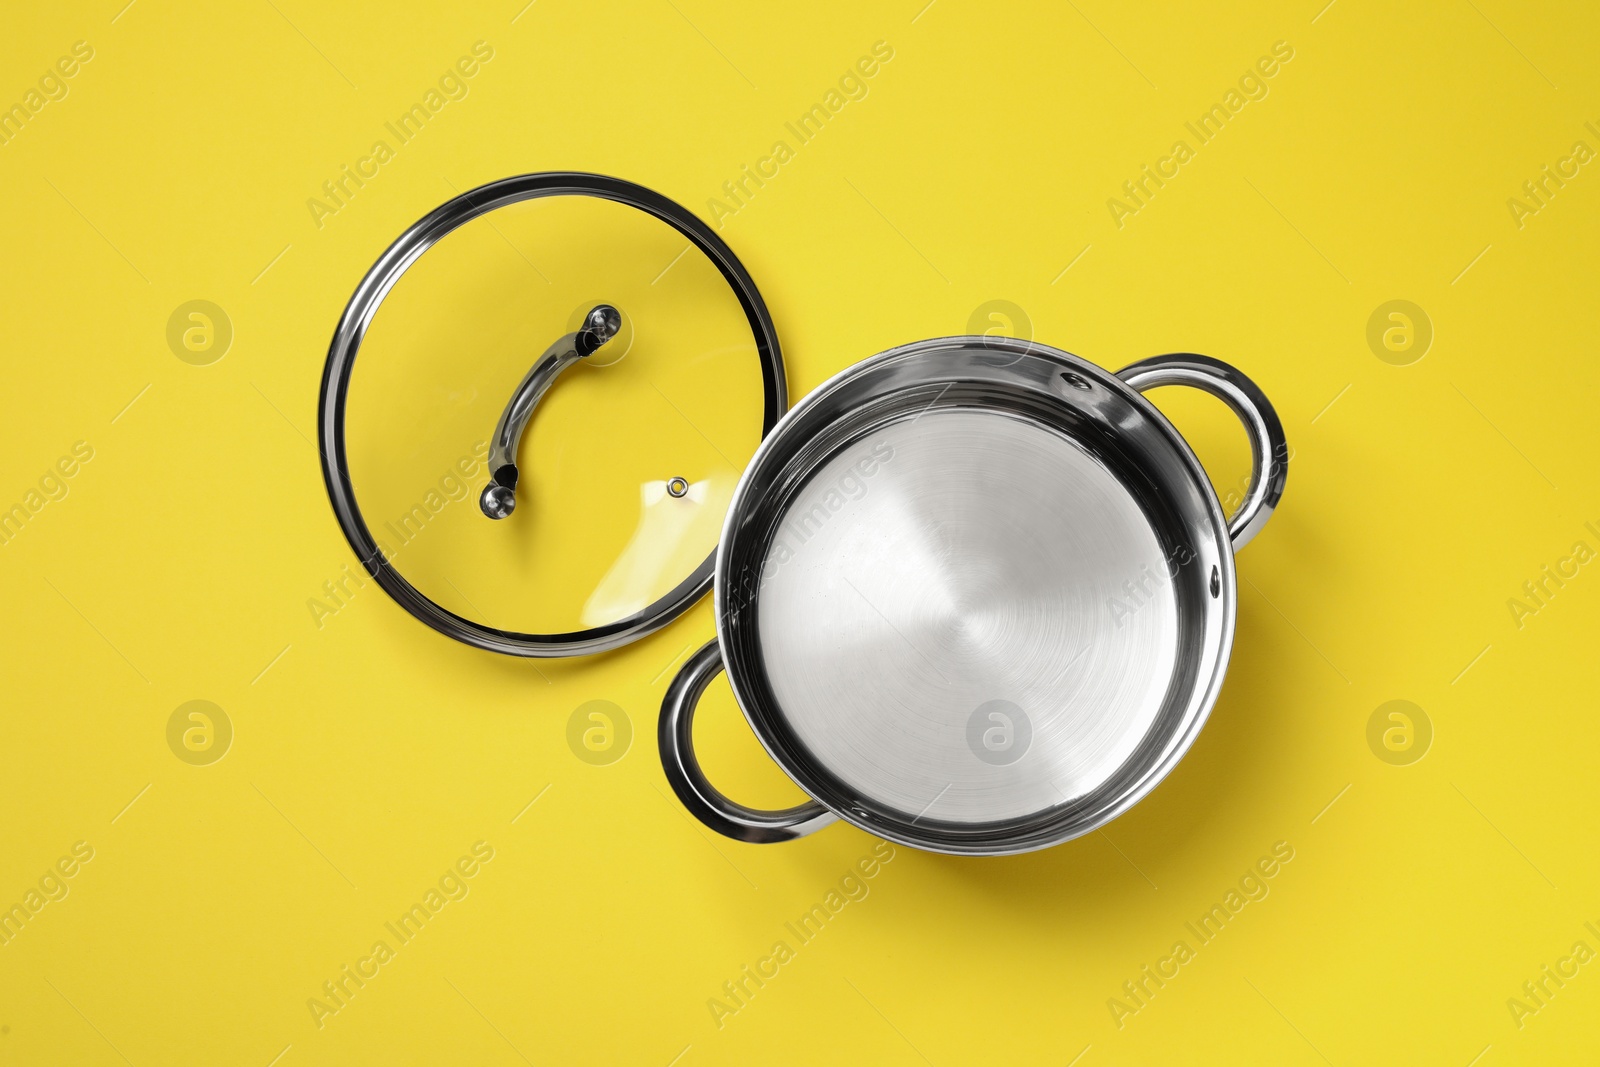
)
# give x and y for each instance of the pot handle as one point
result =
(683, 771)
(1269, 449)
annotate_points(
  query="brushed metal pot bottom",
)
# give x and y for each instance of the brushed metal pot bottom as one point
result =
(986, 632)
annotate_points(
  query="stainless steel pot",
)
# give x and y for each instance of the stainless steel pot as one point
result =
(975, 596)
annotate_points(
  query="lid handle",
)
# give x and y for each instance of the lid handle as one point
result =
(499, 497)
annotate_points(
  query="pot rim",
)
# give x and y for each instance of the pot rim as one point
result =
(1202, 696)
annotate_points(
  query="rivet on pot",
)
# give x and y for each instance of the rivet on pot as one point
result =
(1216, 581)
(677, 487)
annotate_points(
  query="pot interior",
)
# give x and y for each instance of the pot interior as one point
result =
(975, 595)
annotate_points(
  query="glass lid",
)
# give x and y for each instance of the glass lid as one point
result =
(562, 377)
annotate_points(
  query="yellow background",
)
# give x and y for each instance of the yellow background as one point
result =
(371, 753)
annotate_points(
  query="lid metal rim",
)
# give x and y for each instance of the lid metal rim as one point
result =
(1030, 832)
(357, 317)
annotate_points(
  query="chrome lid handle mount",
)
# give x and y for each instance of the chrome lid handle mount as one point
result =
(499, 497)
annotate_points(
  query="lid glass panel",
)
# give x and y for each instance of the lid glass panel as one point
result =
(627, 463)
